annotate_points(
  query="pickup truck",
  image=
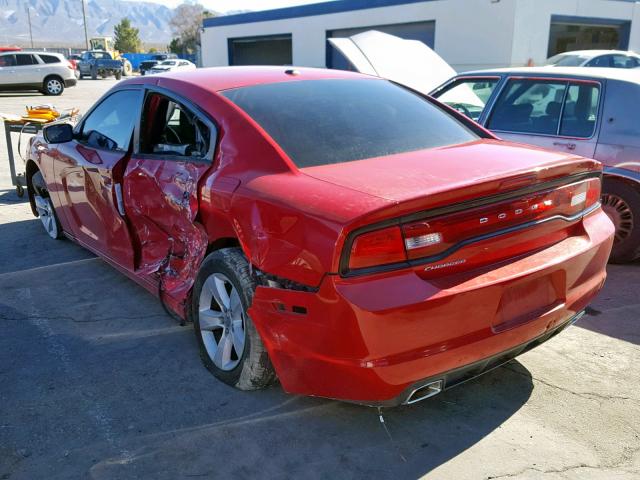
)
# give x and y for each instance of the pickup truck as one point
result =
(96, 63)
(147, 65)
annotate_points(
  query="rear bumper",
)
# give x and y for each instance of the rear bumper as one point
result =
(70, 82)
(375, 339)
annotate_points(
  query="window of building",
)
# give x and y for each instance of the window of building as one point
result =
(576, 33)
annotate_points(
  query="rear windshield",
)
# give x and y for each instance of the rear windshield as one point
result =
(320, 122)
(567, 60)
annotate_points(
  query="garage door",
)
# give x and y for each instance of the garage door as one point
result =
(423, 31)
(267, 50)
(580, 33)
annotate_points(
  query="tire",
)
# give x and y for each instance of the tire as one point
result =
(94, 73)
(53, 85)
(118, 75)
(621, 202)
(44, 207)
(216, 333)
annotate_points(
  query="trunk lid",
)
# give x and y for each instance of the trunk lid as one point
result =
(480, 202)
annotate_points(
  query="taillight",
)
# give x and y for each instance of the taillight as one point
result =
(434, 236)
(379, 247)
(70, 66)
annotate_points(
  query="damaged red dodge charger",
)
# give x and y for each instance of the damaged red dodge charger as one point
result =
(341, 233)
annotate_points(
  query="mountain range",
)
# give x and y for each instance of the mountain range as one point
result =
(58, 23)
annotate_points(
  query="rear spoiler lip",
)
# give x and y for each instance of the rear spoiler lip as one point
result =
(346, 272)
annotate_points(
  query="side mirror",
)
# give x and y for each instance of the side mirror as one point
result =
(58, 133)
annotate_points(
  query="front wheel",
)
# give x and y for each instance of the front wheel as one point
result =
(230, 346)
(118, 75)
(44, 207)
(621, 202)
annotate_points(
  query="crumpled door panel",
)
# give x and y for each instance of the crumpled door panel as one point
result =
(161, 203)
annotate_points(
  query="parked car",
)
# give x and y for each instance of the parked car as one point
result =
(147, 65)
(74, 59)
(45, 72)
(596, 58)
(365, 243)
(98, 63)
(173, 66)
(585, 111)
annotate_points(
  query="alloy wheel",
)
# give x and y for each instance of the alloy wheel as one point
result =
(45, 212)
(620, 214)
(222, 321)
(54, 86)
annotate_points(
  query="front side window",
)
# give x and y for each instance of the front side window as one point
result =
(7, 60)
(168, 128)
(320, 122)
(529, 106)
(110, 125)
(468, 96)
(546, 107)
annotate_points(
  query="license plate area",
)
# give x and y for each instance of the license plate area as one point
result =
(530, 299)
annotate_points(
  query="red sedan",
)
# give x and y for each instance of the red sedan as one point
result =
(348, 236)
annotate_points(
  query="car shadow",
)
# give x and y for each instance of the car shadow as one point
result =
(10, 197)
(24, 245)
(120, 389)
(616, 310)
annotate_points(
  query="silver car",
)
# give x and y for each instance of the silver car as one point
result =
(592, 112)
(46, 72)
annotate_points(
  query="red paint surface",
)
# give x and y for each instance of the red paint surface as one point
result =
(363, 338)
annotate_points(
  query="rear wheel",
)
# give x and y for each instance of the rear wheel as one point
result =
(230, 346)
(94, 73)
(53, 86)
(44, 207)
(621, 202)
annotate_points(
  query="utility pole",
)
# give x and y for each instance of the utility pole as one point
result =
(84, 20)
(30, 30)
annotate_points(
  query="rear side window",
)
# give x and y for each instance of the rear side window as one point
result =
(320, 122)
(49, 58)
(24, 59)
(546, 107)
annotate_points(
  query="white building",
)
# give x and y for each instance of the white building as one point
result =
(468, 34)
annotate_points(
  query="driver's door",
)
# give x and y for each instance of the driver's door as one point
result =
(90, 169)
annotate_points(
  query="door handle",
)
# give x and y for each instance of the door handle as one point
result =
(567, 145)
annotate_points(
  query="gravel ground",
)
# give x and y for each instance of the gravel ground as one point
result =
(96, 381)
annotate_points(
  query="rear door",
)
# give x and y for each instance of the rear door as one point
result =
(560, 114)
(7, 69)
(28, 69)
(90, 169)
(173, 152)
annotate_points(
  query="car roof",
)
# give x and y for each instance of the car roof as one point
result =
(631, 75)
(217, 79)
(595, 53)
(30, 52)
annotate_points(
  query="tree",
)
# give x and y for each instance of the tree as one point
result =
(126, 37)
(186, 24)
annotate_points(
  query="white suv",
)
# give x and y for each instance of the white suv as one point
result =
(46, 72)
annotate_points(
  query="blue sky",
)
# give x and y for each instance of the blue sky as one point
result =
(226, 5)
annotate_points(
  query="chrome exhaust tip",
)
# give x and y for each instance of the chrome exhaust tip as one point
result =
(425, 391)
